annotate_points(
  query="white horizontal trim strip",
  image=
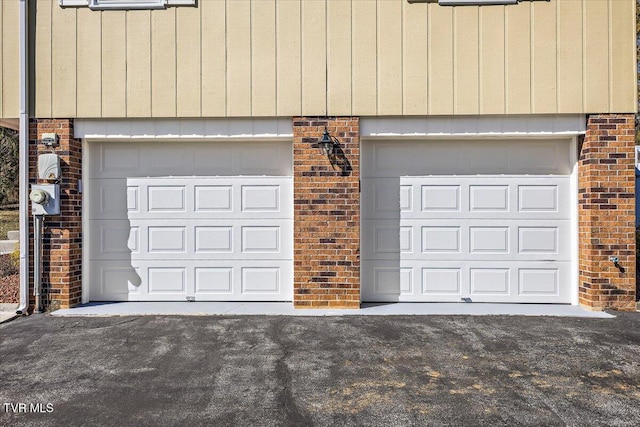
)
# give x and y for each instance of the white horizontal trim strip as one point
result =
(372, 127)
(249, 128)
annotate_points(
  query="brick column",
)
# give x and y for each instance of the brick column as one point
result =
(606, 213)
(326, 198)
(62, 236)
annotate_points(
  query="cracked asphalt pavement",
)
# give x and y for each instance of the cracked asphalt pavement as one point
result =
(320, 371)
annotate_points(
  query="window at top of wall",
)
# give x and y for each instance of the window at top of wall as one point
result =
(125, 4)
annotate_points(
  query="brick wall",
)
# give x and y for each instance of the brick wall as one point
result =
(606, 205)
(326, 214)
(62, 236)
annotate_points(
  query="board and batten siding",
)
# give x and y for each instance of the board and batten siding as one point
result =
(242, 58)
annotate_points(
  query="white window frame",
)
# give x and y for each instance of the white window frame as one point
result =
(125, 4)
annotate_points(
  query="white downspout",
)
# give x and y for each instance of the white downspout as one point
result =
(24, 157)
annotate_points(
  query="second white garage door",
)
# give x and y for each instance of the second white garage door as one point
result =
(467, 221)
(174, 221)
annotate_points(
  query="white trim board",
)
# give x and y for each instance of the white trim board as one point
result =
(476, 126)
(370, 127)
(191, 129)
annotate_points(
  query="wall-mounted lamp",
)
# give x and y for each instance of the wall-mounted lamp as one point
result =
(327, 144)
(616, 262)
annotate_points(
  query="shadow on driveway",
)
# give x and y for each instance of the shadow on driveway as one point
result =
(285, 371)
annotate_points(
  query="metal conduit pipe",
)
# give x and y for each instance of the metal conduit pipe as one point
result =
(38, 221)
(24, 157)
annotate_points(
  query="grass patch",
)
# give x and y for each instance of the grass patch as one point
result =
(9, 220)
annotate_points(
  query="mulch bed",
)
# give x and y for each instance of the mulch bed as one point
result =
(10, 289)
(9, 280)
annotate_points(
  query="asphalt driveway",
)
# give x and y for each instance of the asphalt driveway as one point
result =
(290, 371)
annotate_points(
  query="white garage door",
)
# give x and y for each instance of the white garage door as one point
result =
(175, 221)
(467, 220)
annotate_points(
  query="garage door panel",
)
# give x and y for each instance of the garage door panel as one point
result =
(385, 198)
(385, 239)
(211, 199)
(114, 280)
(385, 280)
(451, 281)
(157, 159)
(466, 157)
(509, 197)
(407, 282)
(446, 197)
(208, 197)
(164, 238)
(113, 239)
(148, 280)
(537, 282)
(115, 160)
(163, 198)
(193, 239)
(467, 220)
(111, 199)
(522, 240)
(490, 281)
(196, 239)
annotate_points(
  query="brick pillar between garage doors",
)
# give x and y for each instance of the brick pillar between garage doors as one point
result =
(62, 236)
(606, 213)
(326, 198)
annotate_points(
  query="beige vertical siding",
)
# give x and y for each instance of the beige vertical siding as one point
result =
(389, 58)
(288, 58)
(42, 59)
(492, 55)
(314, 57)
(364, 73)
(139, 64)
(325, 57)
(441, 53)
(570, 43)
(213, 56)
(239, 58)
(263, 58)
(543, 59)
(596, 55)
(10, 94)
(114, 64)
(163, 64)
(63, 62)
(188, 62)
(5, 62)
(415, 60)
(517, 65)
(621, 55)
(466, 62)
(89, 66)
(10, 77)
(339, 57)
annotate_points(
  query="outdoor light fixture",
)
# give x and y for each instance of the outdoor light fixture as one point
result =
(327, 144)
